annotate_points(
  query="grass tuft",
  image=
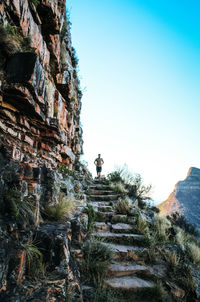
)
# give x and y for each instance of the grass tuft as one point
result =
(193, 252)
(34, 258)
(62, 210)
(97, 257)
(118, 188)
(123, 206)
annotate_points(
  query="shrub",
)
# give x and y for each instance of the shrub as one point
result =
(123, 206)
(64, 208)
(172, 258)
(160, 228)
(34, 258)
(118, 188)
(133, 183)
(193, 252)
(74, 58)
(141, 225)
(115, 177)
(21, 210)
(97, 257)
(179, 220)
(62, 168)
(89, 209)
(13, 41)
(35, 2)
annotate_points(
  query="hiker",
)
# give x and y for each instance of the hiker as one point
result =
(99, 162)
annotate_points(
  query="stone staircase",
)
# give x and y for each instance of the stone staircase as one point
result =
(128, 273)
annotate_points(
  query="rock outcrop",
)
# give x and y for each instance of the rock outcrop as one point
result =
(185, 198)
(40, 96)
(40, 145)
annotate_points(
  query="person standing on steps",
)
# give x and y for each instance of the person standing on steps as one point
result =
(99, 162)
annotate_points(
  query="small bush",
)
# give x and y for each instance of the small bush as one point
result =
(114, 177)
(160, 228)
(118, 188)
(35, 2)
(34, 258)
(97, 257)
(193, 252)
(172, 258)
(63, 209)
(123, 206)
(180, 221)
(74, 58)
(62, 168)
(13, 41)
(89, 209)
(141, 225)
(21, 210)
(158, 291)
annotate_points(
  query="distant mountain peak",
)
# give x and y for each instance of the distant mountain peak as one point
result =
(185, 198)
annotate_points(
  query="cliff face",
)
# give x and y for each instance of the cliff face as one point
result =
(40, 146)
(40, 97)
(185, 198)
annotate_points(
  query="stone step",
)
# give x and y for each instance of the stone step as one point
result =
(102, 206)
(127, 268)
(103, 197)
(128, 283)
(121, 227)
(99, 203)
(100, 187)
(101, 192)
(104, 216)
(101, 226)
(121, 237)
(126, 251)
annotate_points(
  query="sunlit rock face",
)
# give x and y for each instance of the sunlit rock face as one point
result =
(185, 198)
(40, 97)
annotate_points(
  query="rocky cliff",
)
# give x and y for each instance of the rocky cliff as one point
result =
(40, 146)
(185, 198)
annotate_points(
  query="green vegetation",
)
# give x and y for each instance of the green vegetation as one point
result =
(74, 58)
(12, 40)
(118, 188)
(35, 2)
(132, 183)
(63, 209)
(21, 210)
(34, 258)
(62, 168)
(141, 225)
(179, 220)
(193, 252)
(123, 206)
(97, 257)
(89, 210)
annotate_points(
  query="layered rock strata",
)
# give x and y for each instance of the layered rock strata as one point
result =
(40, 96)
(40, 145)
(185, 198)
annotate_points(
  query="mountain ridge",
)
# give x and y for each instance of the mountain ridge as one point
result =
(185, 198)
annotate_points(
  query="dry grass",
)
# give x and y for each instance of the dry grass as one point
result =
(141, 225)
(12, 40)
(193, 252)
(123, 206)
(64, 209)
(172, 258)
(118, 188)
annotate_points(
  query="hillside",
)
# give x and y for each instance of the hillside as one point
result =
(185, 198)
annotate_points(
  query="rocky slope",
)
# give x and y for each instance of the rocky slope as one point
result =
(185, 198)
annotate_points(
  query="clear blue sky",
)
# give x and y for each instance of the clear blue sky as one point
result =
(140, 63)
